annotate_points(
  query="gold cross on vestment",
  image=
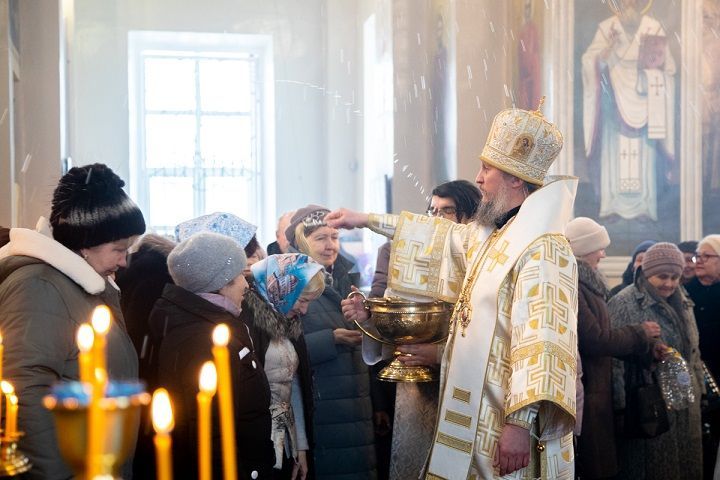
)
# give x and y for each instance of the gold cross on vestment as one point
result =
(498, 255)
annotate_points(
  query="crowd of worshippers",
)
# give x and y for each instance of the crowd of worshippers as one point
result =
(306, 402)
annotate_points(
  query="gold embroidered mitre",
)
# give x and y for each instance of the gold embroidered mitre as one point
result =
(523, 144)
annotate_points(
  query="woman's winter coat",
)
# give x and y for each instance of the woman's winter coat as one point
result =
(46, 292)
(182, 324)
(265, 325)
(344, 445)
(676, 453)
(598, 342)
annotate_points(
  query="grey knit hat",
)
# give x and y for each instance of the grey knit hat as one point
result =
(312, 216)
(206, 262)
(663, 257)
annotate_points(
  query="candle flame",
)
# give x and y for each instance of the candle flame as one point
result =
(221, 335)
(101, 319)
(85, 337)
(208, 378)
(7, 387)
(1, 339)
(162, 415)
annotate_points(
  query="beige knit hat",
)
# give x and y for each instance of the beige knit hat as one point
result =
(586, 236)
(663, 257)
(712, 241)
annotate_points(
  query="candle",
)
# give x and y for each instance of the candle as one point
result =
(220, 337)
(208, 384)
(11, 420)
(7, 390)
(85, 340)
(162, 419)
(101, 319)
(2, 350)
(96, 425)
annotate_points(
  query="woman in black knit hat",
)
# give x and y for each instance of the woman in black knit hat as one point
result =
(50, 283)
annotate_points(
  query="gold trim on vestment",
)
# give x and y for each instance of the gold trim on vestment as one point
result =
(458, 418)
(432, 476)
(454, 442)
(460, 394)
(544, 347)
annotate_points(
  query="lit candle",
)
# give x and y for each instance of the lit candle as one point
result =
(220, 337)
(85, 339)
(11, 420)
(7, 390)
(208, 384)
(101, 319)
(96, 425)
(162, 419)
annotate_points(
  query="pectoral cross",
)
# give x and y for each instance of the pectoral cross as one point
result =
(465, 315)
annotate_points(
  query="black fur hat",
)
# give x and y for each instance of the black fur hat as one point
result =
(89, 208)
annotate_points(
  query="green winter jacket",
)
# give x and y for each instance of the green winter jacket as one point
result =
(46, 292)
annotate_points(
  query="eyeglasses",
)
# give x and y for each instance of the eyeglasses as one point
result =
(441, 212)
(703, 256)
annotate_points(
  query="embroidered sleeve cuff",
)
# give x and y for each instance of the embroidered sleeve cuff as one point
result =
(524, 417)
(384, 224)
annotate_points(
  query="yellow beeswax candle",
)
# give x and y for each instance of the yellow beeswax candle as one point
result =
(11, 420)
(101, 320)
(162, 419)
(221, 337)
(208, 384)
(85, 339)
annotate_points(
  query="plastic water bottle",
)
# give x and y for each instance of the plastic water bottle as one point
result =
(675, 381)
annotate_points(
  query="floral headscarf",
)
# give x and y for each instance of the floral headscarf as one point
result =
(280, 279)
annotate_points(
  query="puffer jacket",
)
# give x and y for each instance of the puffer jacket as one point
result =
(343, 430)
(181, 326)
(46, 292)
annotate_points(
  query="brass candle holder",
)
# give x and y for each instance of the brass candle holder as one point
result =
(121, 408)
(12, 461)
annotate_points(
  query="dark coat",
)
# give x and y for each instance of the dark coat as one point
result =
(707, 315)
(598, 342)
(141, 284)
(182, 324)
(676, 453)
(41, 308)
(344, 446)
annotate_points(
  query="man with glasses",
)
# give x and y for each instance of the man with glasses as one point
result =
(457, 201)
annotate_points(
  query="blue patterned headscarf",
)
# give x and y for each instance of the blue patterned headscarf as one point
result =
(223, 223)
(280, 279)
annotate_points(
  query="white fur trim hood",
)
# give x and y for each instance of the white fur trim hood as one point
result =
(40, 244)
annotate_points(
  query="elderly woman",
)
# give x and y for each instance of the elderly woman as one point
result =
(50, 282)
(656, 296)
(598, 342)
(209, 289)
(635, 261)
(282, 288)
(342, 423)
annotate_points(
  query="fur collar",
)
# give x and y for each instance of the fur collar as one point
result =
(592, 279)
(35, 244)
(267, 319)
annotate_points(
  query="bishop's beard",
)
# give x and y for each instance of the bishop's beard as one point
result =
(489, 212)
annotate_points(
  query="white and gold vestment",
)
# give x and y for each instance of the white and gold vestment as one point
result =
(511, 353)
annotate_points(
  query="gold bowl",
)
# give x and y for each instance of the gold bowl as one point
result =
(121, 421)
(396, 321)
